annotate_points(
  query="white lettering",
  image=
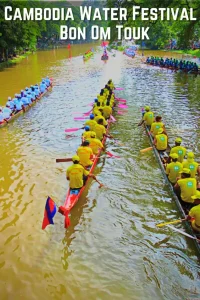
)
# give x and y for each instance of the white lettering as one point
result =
(135, 12)
(85, 12)
(72, 33)
(17, 15)
(7, 8)
(97, 14)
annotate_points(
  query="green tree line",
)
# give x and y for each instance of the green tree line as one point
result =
(161, 32)
(17, 36)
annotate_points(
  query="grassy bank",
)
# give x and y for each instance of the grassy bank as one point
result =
(190, 52)
(14, 61)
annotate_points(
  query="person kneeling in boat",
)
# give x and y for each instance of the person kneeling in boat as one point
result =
(100, 130)
(155, 126)
(191, 164)
(147, 118)
(178, 149)
(2, 119)
(85, 154)
(194, 213)
(77, 174)
(95, 144)
(173, 169)
(161, 141)
(91, 122)
(87, 133)
(186, 187)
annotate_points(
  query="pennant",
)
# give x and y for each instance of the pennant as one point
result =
(49, 213)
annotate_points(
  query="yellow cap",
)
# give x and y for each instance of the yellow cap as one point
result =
(75, 158)
(186, 171)
(196, 196)
(178, 140)
(174, 155)
(190, 155)
(160, 130)
(147, 108)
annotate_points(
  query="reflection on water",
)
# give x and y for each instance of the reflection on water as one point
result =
(112, 248)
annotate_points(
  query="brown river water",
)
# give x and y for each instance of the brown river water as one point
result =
(112, 250)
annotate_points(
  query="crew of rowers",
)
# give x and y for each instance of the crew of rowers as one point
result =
(173, 63)
(22, 100)
(181, 172)
(95, 131)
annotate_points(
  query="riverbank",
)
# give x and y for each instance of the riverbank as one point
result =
(189, 52)
(14, 60)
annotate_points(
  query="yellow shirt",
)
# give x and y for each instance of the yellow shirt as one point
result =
(181, 151)
(75, 174)
(161, 141)
(188, 188)
(192, 165)
(96, 110)
(97, 118)
(195, 213)
(101, 100)
(173, 170)
(148, 118)
(85, 154)
(87, 134)
(107, 111)
(91, 123)
(100, 131)
(155, 126)
(95, 144)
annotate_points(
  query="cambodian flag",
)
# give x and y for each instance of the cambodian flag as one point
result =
(49, 213)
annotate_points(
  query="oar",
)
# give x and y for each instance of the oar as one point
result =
(63, 159)
(112, 118)
(120, 99)
(80, 118)
(182, 232)
(146, 149)
(171, 222)
(100, 184)
(112, 155)
(72, 129)
(122, 106)
(119, 89)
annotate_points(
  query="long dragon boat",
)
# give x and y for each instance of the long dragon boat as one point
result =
(88, 54)
(174, 69)
(73, 195)
(12, 118)
(181, 207)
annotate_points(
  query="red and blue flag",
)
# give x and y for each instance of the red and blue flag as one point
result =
(49, 213)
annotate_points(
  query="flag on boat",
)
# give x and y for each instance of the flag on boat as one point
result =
(49, 213)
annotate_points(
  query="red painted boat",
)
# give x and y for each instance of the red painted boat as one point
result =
(73, 195)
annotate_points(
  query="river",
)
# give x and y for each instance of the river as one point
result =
(112, 250)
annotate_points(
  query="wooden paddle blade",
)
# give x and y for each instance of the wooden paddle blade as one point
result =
(63, 160)
(172, 222)
(146, 149)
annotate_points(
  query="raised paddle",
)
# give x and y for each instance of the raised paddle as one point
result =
(171, 222)
(119, 89)
(146, 149)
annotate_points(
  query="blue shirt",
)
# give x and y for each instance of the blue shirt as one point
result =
(42, 87)
(7, 112)
(11, 103)
(25, 100)
(1, 117)
(19, 105)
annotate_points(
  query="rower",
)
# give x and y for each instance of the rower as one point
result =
(185, 186)
(1, 116)
(91, 122)
(194, 213)
(161, 141)
(107, 110)
(181, 151)
(95, 144)
(87, 133)
(7, 112)
(100, 116)
(19, 105)
(77, 174)
(43, 86)
(147, 118)
(191, 164)
(155, 126)
(47, 81)
(174, 168)
(10, 103)
(85, 154)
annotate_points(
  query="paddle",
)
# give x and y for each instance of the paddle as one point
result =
(120, 99)
(63, 159)
(119, 89)
(112, 118)
(80, 118)
(146, 149)
(171, 222)
(182, 232)
(112, 155)
(100, 184)
(72, 129)
(122, 106)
